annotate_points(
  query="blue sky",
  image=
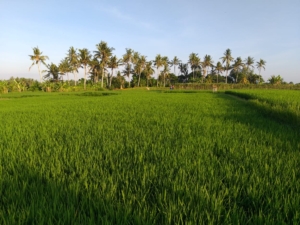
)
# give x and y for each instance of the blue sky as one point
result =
(266, 29)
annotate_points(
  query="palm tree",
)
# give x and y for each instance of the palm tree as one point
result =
(260, 64)
(52, 73)
(158, 63)
(84, 59)
(103, 53)
(249, 63)
(113, 63)
(127, 59)
(165, 63)
(65, 67)
(149, 71)
(227, 58)
(238, 63)
(95, 69)
(219, 68)
(127, 71)
(174, 62)
(73, 61)
(37, 59)
(193, 58)
(207, 62)
(142, 62)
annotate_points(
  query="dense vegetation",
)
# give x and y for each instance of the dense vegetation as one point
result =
(155, 157)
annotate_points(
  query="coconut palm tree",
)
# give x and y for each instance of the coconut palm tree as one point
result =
(249, 61)
(127, 59)
(260, 65)
(73, 61)
(149, 71)
(207, 62)
(143, 63)
(37, 59)
(174, 62)
(227, 59)
(237, 65)
(84, 59)
(193, 58)
(65, 67)
(166, 70)
(219, 68)
(158, 63)
(52, 73)
(103, 53)
(113, 63)
(127, 71)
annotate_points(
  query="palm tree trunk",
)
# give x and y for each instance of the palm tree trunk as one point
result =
(157, 77)
(102, 79)
(39, 72)
(111, 76)
(226, 74)
(84, 77)
(217, 78)
(164, 80)
(139, 79)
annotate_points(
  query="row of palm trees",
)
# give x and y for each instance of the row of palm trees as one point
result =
(98, 64)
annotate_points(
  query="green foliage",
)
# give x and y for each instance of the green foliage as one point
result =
(145, 157)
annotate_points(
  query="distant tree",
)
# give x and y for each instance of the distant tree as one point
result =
(158, 62)
(275, 79)
(37, 59)
(219, 69)
(260, 65)
(73, 61)
(127, 60)
(237, 66)
(227, 59)
(166, 70)
(174, 62)
(193, 58)
(103, 53)
(52, 73)
(206, 64)
(113, 63)
(149, 71)
(65, 68)
(84, 60)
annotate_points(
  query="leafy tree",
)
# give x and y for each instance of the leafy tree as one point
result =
(127, 59)
(84, 59)
(237, 66)
(65, 67)
(52, 73)
(158, 62)
(183, 68)
(227, 59)
(275, 79)
(193, 59)
(166, 70)
(174, 62)
(207, 62)
(103, 53)
(113, 63)
(143, 62)
(73, 61)
(248, 62)
(149, 71)
(219, 68)
(37, 59)
(260, 65)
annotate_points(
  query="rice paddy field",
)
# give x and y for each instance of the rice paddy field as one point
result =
(150, 157)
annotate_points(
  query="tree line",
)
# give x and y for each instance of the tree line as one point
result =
(102, 65)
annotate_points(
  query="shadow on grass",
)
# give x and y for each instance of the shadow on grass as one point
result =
(28, 198)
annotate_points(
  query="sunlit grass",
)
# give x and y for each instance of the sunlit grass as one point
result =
(145, 157)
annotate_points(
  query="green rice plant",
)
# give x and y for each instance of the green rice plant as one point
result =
(145, 157)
